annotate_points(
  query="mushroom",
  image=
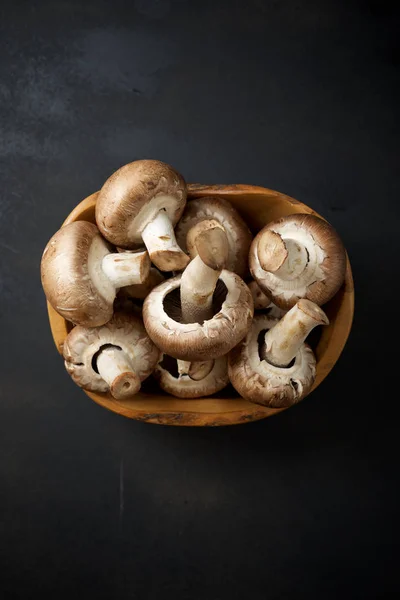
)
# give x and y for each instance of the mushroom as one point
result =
(162, 316)
(262, 302)
(115, 357)
(282, 372)
(80, 276)
(185, 379)
(141, 203)
(238, 234)
(298, 256)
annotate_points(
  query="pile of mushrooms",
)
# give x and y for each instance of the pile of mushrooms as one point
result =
(180, 290)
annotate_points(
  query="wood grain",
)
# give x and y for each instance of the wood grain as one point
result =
(257, 205)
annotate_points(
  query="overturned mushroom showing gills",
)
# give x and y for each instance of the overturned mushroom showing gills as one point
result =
(209, 246)
(162, 316)
(283, 371)
(141, 203)
(116, 357)
(262, 302)
(218, 209)
(193, 383)
(298, 256)
(80, 276)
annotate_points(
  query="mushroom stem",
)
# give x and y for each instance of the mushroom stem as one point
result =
(117, 370)
(287, 258)
(140, 290)
(183, 367)
(196, 370)
(207, 242)
(159, 239)
(283, 341)
(208, 246)
(197, 288)
(126, 268)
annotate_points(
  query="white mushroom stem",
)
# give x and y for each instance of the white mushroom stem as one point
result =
(183, 367)
(283, 341)
(208, 246)
(196, 370)
(197, 288)
(115, 367)
(287, 258)
(159, 239)
(126, 268)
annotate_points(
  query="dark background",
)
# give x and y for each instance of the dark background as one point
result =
(296, 96)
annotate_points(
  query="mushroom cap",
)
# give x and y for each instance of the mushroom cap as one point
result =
(194, 341)
(72, 278)
(124, 330)
(325, 270)
(185, 387)
(238, 234)
(133, 196)
(263, 302)
(260, 382)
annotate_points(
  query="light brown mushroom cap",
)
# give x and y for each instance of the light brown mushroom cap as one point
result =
(238, 234)
(183, 386)
(260, 382)
(133, 196)
(326, 260)
(72, 278)
(194, 341)
(125, 331)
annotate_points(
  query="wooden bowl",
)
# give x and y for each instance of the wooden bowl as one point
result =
(258, 206)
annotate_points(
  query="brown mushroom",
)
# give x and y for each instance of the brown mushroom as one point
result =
(218, 209)
(262, 302)
(298, 256)
(192, 379)
(80, 276)
(282, 372)
(162, 316)
(141, 203)
(116, 357)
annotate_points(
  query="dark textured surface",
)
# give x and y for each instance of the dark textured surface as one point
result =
(297, 96)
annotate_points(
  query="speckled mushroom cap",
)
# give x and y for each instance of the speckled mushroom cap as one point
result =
(125, 331)
(72, 278)
(259, 381)
(326, 261)
(182, 386)
(219, 209)
(195, 341)
(133, 196)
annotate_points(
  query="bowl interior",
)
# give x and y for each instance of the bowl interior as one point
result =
(257, 206)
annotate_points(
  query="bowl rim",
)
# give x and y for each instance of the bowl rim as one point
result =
(210, 411)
